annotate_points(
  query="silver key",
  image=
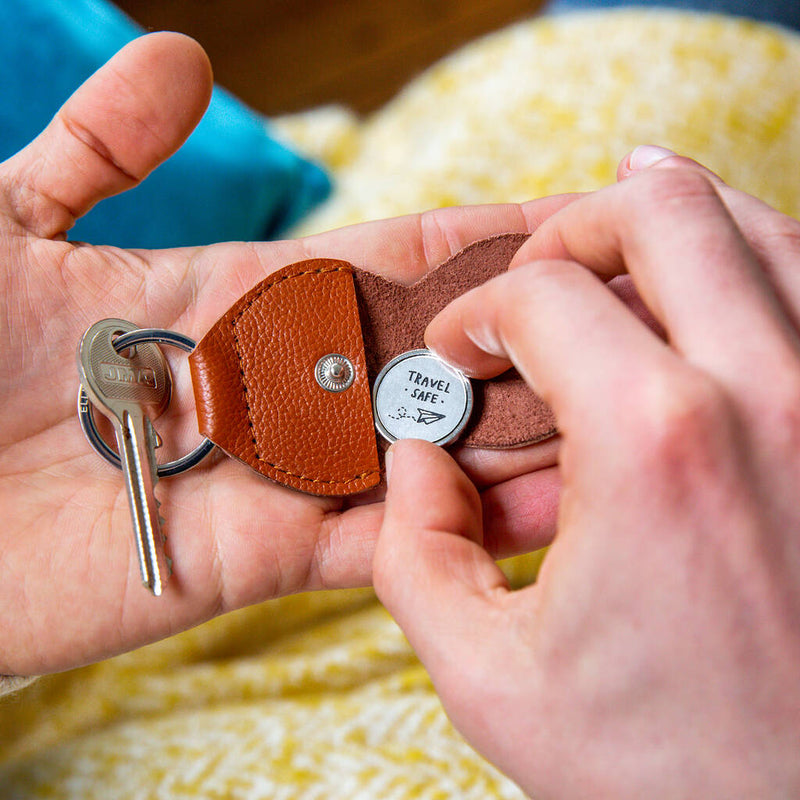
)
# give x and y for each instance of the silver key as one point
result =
(132, 389)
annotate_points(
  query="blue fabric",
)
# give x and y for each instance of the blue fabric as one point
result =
(781, 12)
(230, 180)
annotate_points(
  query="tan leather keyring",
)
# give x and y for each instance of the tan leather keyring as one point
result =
(283, 380)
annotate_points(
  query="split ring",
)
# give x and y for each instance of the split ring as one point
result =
(86, 415)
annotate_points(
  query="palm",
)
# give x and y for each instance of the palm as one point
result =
(71, 590)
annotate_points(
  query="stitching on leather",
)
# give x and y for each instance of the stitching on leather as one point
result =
(320, 271)
(266, 287)
(361, 477)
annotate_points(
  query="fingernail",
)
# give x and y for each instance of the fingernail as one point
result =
(435, 351)
(431, 348)
(447, 360)
(646, 155)
(388, 464)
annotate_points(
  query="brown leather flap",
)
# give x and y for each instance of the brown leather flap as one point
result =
(255, 387)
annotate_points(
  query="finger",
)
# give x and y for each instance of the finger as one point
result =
(402, 249)
(407, 247)
(488, 365)
(521, 515)
(648, 155)
(573, 340)
(429, 569)
(123, 122)
(487, 468)
(694, 270)
(428, 239)
(773, 237)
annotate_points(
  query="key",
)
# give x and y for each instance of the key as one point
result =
(131, 389)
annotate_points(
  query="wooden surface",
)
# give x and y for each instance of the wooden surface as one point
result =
(289, 55)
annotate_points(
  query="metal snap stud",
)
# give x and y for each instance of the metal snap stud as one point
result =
(334, 372)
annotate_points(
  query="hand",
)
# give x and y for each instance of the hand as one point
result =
(70, 590)
(658, 655)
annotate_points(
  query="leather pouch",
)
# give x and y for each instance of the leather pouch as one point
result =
(254, 373)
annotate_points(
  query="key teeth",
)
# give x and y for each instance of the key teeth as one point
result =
(162, 536)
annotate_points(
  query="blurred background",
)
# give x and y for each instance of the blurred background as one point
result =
(281, 55)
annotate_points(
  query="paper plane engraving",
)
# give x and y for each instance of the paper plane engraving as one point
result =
(428, 417)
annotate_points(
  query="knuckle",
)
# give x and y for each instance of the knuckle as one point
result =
(777, 233)
(436, 234)
(674, 188)
(385, 568)
(538, 282)
(381, 569)
(20, 198)
(782, 412)
(684, 424)
(31, 207)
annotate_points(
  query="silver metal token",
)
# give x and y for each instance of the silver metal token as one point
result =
(418, 396)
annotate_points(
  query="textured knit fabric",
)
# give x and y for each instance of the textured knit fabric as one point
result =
(319, 696)
(551, 106)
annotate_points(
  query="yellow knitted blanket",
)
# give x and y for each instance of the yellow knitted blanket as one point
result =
(319, 696)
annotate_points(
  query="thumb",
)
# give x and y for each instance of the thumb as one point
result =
(430, 570)
(127, 118)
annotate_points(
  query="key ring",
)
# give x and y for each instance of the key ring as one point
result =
(121, 343)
